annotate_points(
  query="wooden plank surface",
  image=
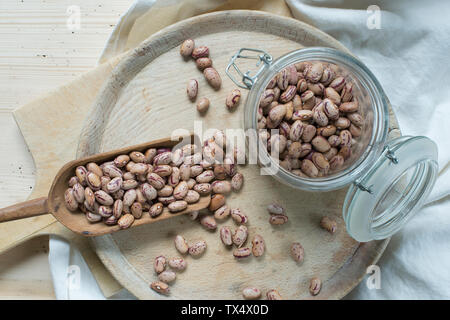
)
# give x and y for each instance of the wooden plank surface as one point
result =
(38, 53)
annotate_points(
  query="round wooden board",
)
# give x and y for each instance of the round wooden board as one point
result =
(145, 99)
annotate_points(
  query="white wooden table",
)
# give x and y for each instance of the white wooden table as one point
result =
(38, 52)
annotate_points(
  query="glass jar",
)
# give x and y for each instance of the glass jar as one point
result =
(388, 181)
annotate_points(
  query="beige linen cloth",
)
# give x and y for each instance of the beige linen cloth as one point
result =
(50, 131)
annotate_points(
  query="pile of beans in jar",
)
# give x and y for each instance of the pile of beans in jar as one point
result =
(135, 184)
(313, 106)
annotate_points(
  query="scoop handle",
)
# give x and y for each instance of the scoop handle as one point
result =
(31, 208)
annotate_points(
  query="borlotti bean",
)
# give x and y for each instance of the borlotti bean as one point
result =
(177, 206)
(277, 219)
(181, 244)
(314, 286)
(222, 213)
(233, 99)
(160, 287)
(315, 104)
(160, 264)
(192, 196)
(237, 181)
(273, 295)
(217, 201)
(72, 181)
(177, 263)
(275, 208)
(139, 183)
(125, 221)
(297, 252)
(203, 63)
(238, 216)
(226, 235)
(240, 236)
(200, 52)
(203, 105)
(240, 253)
(167, 276)
(258, 245)
(156, 209)
(221, 186)
(192, 89)
(208, 222)
(213, 77)
(328, 224)
(187, 47)
(251, 293)
(70, 201)
(220, 172)
(197, 248)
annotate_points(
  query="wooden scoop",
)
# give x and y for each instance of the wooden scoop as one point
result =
(76, 221)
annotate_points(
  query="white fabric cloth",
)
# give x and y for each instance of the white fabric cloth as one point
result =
(409, 54)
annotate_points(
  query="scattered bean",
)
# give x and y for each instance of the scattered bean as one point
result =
(240, 236)
(240, 253)
(251, 293)
(275, 208)
(233, 99)
(197, 248)
(160, 287)
(167, 276)
(192, 89)
(273, 295)
(203, 105)
(187, 47)
(258, 246)
(177, 263)
(277, 219)
(297, 252)
(200, 52)
(226, 236)
(160, 264)
(213, 77)
(314, 286)
(238, 216)
(181, 244)
(328, 224)
(208, 222)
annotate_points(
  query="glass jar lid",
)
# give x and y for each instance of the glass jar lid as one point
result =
(379, 203)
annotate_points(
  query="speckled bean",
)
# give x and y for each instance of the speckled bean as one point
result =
(213, 77)
(238, 216)
(197, 248)
(177, 263)
(258, 245)
(251, 293)
(226, 235)
(160, 264)
(297, 252)
(208, 222)
(125, 221)
(192, 89)
(181, 244)
(156, 209)
(240, 253)
(177, 206)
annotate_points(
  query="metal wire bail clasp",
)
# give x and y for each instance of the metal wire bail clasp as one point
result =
(247, 80)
